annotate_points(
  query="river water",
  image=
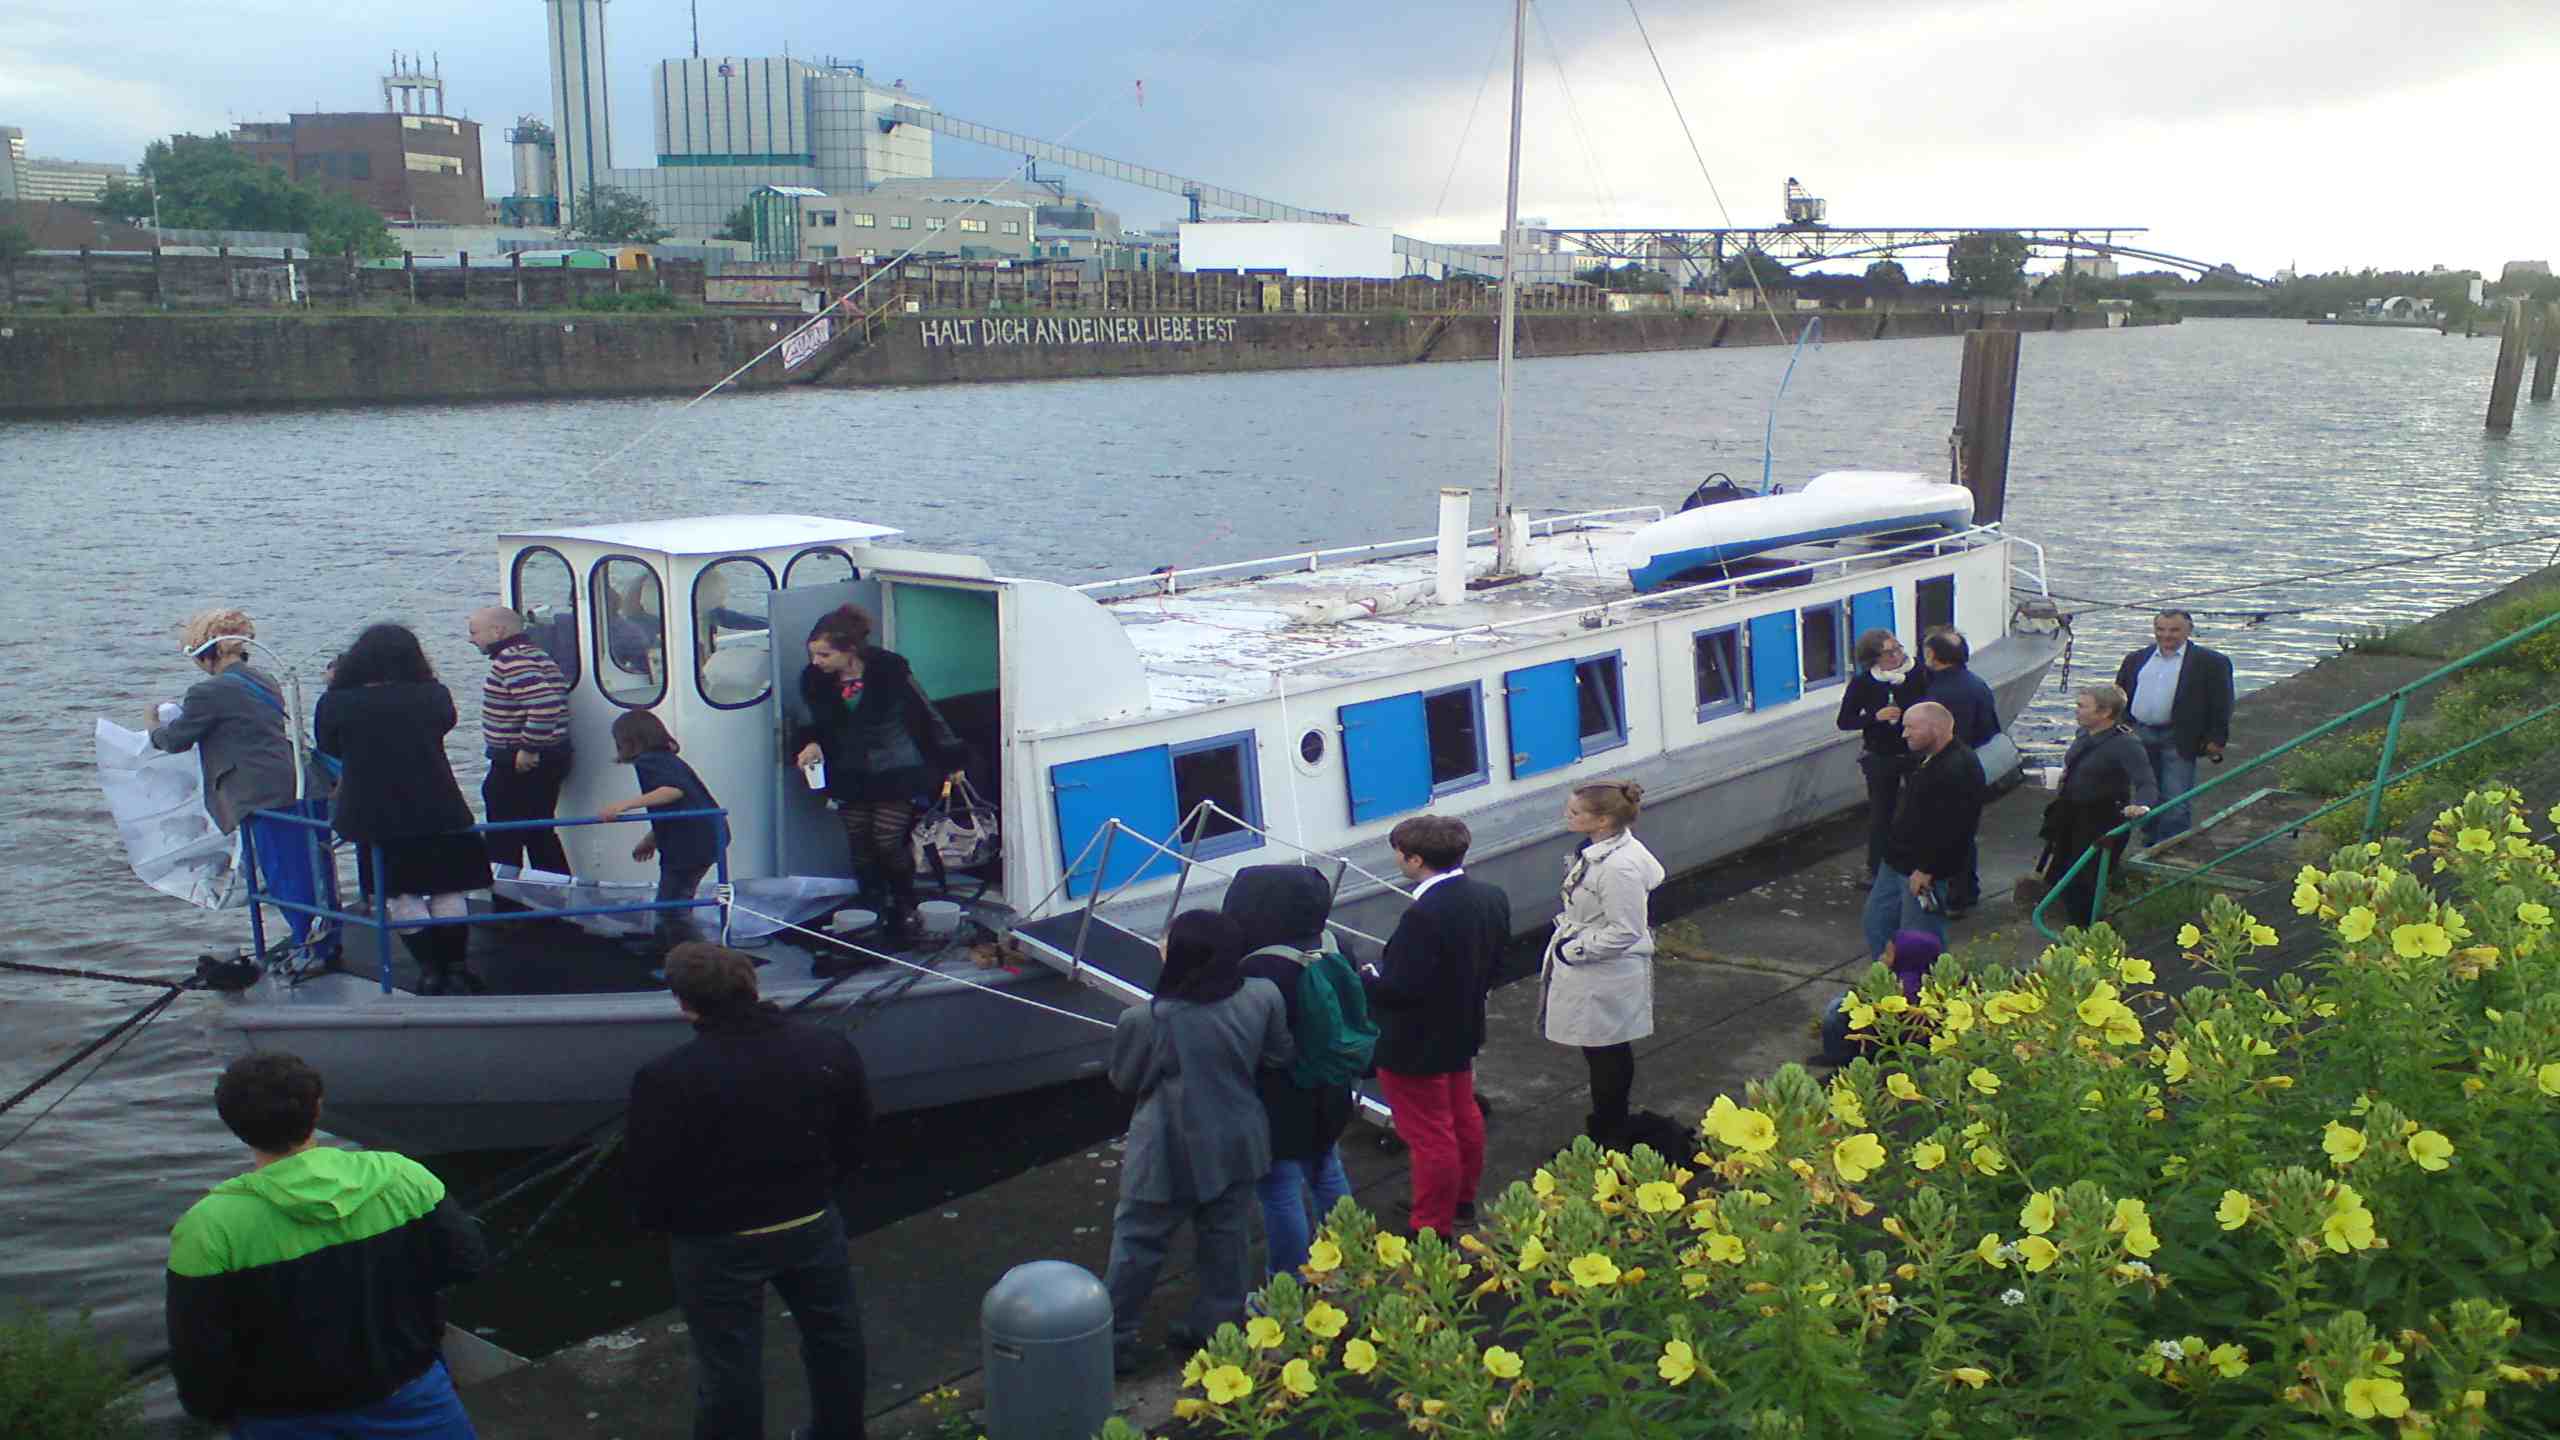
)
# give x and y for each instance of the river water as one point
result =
(2150, 463)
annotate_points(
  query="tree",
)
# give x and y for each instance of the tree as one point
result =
(1888, 277)
(339, 222)
(1990, 263)
(125, 200)
(612, 215)
(1753, 268)
(209, 184)
(741, 224)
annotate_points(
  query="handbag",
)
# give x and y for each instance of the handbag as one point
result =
(958, 831)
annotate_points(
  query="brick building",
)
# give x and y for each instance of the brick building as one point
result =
(410, 167)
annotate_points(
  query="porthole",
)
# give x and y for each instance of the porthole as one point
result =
(1312, 748)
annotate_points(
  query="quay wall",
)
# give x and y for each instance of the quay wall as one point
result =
(61, 364)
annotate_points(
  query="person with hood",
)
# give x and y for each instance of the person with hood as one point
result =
(1872, 704)
(306, 1297)
(1909, 955)
(883, 745)
(1596, 987)
(2107, 779)
(1198, 1140)
(1280, 912)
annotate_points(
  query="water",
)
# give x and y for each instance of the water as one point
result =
(2150, 463)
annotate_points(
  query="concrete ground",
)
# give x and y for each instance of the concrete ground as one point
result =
(1753, 950)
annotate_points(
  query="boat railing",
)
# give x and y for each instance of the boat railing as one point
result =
(1112, 829)
(1169, 580)
(379, 917)
(1703, 595)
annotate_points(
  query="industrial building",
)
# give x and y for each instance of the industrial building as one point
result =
(42, 177)
(414, 169)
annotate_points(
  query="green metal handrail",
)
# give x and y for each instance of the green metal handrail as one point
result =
(2383, 777)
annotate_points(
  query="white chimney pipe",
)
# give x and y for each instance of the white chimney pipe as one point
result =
(1451, 588)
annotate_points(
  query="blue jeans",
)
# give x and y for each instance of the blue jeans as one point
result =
(719, 1284)
(424, 1409)
(2176, 774)
(1284, 1205)
(1891, 906)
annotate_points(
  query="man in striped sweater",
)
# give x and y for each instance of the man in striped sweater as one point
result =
(524, 725)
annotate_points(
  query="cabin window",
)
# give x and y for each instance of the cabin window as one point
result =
(1772, 642)
(1399, 752)
(1221, 772)
(1311, 748)
(1454, 719)
(546, 598)
(1601, 698)
(1716, 656)
(732, 638)
(1561, 711)
(631, 632)
(1935, 600)
(825, 565)
(1825, 662)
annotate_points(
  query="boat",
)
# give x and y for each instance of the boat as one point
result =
(1705, 540)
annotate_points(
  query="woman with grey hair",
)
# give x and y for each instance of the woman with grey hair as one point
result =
(1872, 704)
(2106, 780)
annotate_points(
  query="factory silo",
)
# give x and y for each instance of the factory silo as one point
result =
(581, 99)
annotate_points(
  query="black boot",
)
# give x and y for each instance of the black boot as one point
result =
(898, 917)
(456, 940)
(424, 947)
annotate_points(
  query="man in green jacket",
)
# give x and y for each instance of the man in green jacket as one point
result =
(305, 1296)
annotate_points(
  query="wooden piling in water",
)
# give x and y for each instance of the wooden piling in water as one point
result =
(2512, 339)
(1986, 398)
(2546, 361)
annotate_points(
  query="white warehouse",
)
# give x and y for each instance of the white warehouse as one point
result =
(1362, 252)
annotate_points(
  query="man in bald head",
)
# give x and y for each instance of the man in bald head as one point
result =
(1932, 830)
(524, 725)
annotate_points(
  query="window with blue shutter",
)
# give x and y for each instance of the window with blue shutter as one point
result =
(1870, 610)
(1135, 788)
(1386, 756)
(1773, 659)
(1542, 705)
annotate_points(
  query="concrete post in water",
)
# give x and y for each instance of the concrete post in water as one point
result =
(2546, 361)
(515, 264)
(88, 282)
(1986, 398)
(1046, 1332)
(2510, 372)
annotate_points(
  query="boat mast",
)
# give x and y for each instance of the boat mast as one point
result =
(1506, 558)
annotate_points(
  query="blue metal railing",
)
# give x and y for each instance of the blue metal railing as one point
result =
(380, 916)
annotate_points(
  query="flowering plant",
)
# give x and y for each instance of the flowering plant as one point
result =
(2048, 1201)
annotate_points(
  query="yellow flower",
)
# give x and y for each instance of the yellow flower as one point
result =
(2139, 1241)
(1593, 1271)
(1324, 1257)
(2343, 1145)
(1678, 1363)
(1862, 1016)
(1324, 1321)
(2356, 924)
(1501, 1364)
(2036, 1217)
(2100, 1004)
(2348, 1229)
(2174, 1065)
(1959, 1017)
(1533, 1253)
(1298, 1378)
(1359, 1357)
(2129, 1213)
(2235, 1209)
(2474, 840)
(2547, 1079)
(1604, 1186)
(1190, 1408)
(2230, 1360)
(1899, 1086)
(1984, 1081)
(1751, 1131)
(2124, 1027)
(2411, 941)
(1858, 1157)
(1845, 1107)
(2134, 970)
(1725, 1249)
(1987, 1250)
(1393, 1250)
(1194, 1368)
(2306, 900)
(2431, 1150)
(1972, 1375)
(1988, 1160)
(2536, 915)
(1929, 1154)
(1434, 1407)
(1226, 1384)
(2262, 936)
(2374, 1397)
(1659, 1197)
(2038, 1253)
(1263, 1333)
(2189, 937)
(1893, 1004)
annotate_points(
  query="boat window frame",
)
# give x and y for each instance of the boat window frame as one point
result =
(1838, 611)
(1616, 702)
(1483, 773)
(700, 633)
(604, 642)
(1921, 625)
(1737, 689)
(574, 666)
(791, 566)
(1248, 745)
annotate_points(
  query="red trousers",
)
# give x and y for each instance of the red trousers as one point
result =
(1437, 1118)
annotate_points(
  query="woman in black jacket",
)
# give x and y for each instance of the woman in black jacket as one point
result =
(1280, 913)
(2106, 780)
(884, 746)
(385, 717)
(1872, 704)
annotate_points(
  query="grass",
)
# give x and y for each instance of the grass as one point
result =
(61, 1382)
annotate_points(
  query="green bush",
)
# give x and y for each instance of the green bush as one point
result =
(629, 302)
(2540, 654)
(60, 1382)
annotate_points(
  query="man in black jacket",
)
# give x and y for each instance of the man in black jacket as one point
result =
(1933, 830)
(1948, 658)
(734, 1144)
(1429, 996)
(306, 1296)
(2179, 701)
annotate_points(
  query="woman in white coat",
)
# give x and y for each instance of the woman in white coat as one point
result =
(1597, 982)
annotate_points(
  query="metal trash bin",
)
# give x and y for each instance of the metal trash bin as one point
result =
(1046, 1329)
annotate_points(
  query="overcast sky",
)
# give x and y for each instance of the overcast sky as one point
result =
(2324, 133)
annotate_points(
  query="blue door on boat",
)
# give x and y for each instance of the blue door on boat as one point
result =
(1774, 678)
(1544, 706)
(1386, 756)
(1135, 788)
(1870, 610)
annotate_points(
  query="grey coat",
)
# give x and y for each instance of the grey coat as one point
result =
(1597, 985)
(240, 739)
(1199, 1130)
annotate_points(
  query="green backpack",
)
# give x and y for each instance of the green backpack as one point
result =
(1334, 1034)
